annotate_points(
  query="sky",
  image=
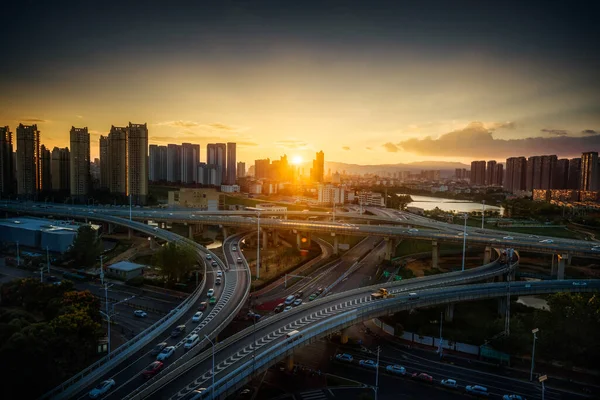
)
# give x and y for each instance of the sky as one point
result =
(372, 82)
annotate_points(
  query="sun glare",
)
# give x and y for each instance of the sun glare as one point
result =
(297, 160)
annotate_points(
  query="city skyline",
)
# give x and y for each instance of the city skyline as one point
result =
(366, 84)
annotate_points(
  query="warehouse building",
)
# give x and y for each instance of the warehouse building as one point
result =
(39, 233)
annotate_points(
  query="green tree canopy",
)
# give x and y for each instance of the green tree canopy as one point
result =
(86, 247)
(175, 261)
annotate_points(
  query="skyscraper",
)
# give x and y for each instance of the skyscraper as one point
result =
(241, 169)
(157, 163)
(317, 172)
(221, 159)
(261, 168)
(574, 173)
(45, 169)
(28, 166)
(560, 176)
(231, 163)
(104, 163)
(478, 173)
(61, 169)
(80, 163)
(137, 162)
(7, 170)
(190, 156)
(548, 166)
(516, 169)
(173, 163)
(490, 173)
(589, 171)
(117, 160)
(499, 175)
(534, 173)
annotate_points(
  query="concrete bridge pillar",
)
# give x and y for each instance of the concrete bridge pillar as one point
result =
(344, 337)
(449, 314)
(225, 233)
(308, 239)
(298, 242)
(289, 362)
(487, 255)
(335, 244)
(111, 228)
(502, 306)
(389, 248)
(435, 254)
(191, 232)
(129, 233)
(275, 238)
(562, 261)
(265, 239)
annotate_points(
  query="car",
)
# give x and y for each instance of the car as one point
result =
(287, 308)
(191, 341)
(297, 302)
(218, 281)
(423, 377)
(299, 294)
(413, 230)
(165, 353)
(210, 292)
(579, 283)
(449, 383)
(596, 248)
(214, 264)
(140, 314)
(368, 364)
(219, 273)
(255, 316)
(178, 331)
(512, 397)
(462, 234)
(152, 369)
(158, 348)
(239, 260)
(194, 394)
(528, 285)
(233, 248)
(102, 388)
(289, 300)
(212, 301)
(208, 257)
(477, 390)
(312, 297)
(202, 306)
(534, 236)
(396, 369)
(508, 238)
(319, 291)
(279, 307)
(197, 317)
(344, 357)
(547, 241)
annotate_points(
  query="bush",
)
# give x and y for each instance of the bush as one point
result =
(135, 282)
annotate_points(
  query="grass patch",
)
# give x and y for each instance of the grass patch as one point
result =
(412, 246)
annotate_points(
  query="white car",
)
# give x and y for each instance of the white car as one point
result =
(596, 248)
(140, 314)
(512, 397)
(462, 234)
(450, 383)
(396, 369)
(219, 273)
(508, 238)
(197, 317)
(477, 390)
(102, 388)
(547, 241)
(288, 308)
(210, 292)
(165, 353)
(234, 248)
(413, 230)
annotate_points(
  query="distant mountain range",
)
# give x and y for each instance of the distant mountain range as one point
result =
(446, 168)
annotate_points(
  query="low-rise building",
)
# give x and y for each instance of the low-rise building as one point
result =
(125, 270)
(56, 236)
(203, 199)
(230, 188)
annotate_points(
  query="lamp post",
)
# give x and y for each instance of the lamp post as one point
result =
(108, 315)
(534, 331)
(509, 254)
(441, 348)
(543, 379)
(258, 245)
(377, 374)
(130, 206)
(101, 270)
(18, 255)
(48, 258)
(212, 372)
(464, 241)
(482, 213)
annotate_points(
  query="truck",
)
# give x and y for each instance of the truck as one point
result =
(382, 293)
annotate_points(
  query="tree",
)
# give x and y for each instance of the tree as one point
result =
(175, 261)
(86, 247)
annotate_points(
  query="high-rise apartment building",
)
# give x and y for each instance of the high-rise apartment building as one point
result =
(28, 157)
(231, 163)
(533, 178)
(574, 173)
(221, 159)
(478, 173)
(137, 162)
(104, 163)
(516, 171)
(548, 166)
(317, 172)
(499, 175)
(117, 160)
(209, 174)
(61, 169)
(7, 170)
(190, 157)
(490, 173)
(173, 163)
(80, 163)
(589, 171)
(261, 168)
(157, 163)
(560, 176)
(241, 169)
(45, 169)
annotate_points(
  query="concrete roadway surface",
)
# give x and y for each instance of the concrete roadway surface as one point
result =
(128, 374)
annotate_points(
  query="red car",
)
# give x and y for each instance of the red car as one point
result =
(202, 306)
(152, 369)
(423, 377)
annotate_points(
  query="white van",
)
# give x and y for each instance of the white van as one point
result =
(293, 336)
(191, 341)
(413, 296)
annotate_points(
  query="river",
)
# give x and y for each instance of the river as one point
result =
(450, 205)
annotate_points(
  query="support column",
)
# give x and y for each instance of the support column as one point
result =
(224, 233)
(487, 255)
(111, 228)
(562, 261)
(502, 305)
(344, 337)
(129, 233)
(289, 362)
(265, 239)
(335, 244)
(449, 314)
(275, 238)
(389, 248)
(298, 240)
(191, 232)
(435, 254)
(309, 239)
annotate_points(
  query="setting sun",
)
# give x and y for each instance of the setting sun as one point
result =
(297, 160)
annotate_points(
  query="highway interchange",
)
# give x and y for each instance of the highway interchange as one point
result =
(230, 355)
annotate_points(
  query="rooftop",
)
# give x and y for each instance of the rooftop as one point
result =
(126, 266)
(40, 224)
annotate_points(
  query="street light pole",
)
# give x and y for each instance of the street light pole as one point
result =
(258, 245)
(48, 258)
(129, 206)
(377, 374)
(534, 331)
(212, 388)
(18, 255)
(101, 270)
(441, 349)
(464, 242)
(483, 214)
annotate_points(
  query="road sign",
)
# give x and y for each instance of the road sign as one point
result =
(543, 378)
(386, 274)
(397, 278)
